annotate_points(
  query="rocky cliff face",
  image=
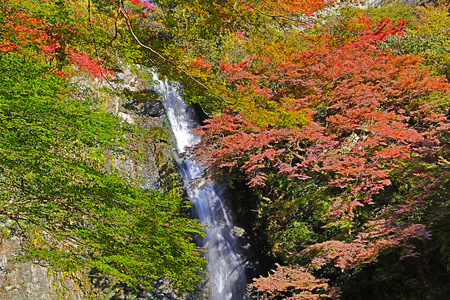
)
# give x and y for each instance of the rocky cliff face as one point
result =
(128, 97)
(30, 280)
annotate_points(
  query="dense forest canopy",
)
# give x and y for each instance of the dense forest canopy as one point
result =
(335, 115)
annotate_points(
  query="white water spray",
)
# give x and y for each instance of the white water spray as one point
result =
(226, 276)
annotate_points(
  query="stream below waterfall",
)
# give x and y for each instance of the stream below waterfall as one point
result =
(225, 273)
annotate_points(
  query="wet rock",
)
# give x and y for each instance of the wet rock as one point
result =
(154, 109)
(238, 231)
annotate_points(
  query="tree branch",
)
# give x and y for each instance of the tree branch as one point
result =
(128, 22)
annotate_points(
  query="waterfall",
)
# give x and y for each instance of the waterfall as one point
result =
(225, 273)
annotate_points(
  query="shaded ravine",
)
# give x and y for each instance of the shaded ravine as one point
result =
(226, 275)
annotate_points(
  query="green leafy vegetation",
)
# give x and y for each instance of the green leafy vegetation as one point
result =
(73, 210)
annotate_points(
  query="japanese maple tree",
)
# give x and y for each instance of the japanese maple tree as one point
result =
(342, 115)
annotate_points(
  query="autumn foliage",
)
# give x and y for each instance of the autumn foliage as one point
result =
(294, 283)
(371, 100)
(92, 66)
(288, 7)
(354, 129)
(23, 30)
(368, 111)
(30, 33)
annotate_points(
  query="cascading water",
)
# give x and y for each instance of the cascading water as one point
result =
(226, 275)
